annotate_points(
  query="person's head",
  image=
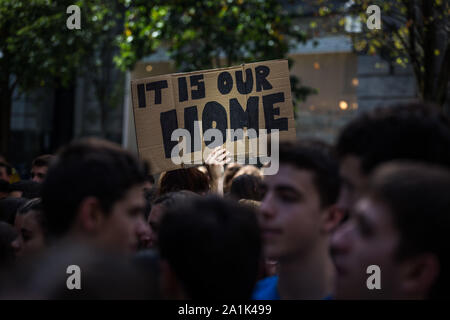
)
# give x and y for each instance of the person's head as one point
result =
(249, 170)
(7, 236)
(30, 225)
(94, 191)
(5, 171)
(404, 132)
(297, 211)
(210, 249)
(246, 187)
(4, 189)
(39, 167)
(99, 274)
(401, 225)
(228, 175)
(190, 179)
(9, 207)
(160, 205)
(25, 189)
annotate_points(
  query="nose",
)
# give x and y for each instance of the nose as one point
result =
(341, 240)
(17, 246)
(143, 229)
(266, 208)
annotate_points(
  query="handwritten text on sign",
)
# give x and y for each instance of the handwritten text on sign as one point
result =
(252, 96)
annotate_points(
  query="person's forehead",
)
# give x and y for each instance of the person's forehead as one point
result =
(289, 175)
(133, 196)
(376, 213)
(29, 219)
(156, 212)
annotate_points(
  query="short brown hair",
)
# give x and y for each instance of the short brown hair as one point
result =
(191, 179)
(43, 160)
(418, 198)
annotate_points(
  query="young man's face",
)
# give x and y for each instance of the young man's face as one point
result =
(353, 182)
(124, 223)
(3, 174)
(368, 238)
(31, 235)
(290, 214)
(38, 173)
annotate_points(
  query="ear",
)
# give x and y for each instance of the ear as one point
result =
(419, 274)
(170, 286)
(331, 217)
(90, 215)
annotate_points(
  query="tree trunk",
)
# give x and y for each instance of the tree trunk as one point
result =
(63, 116)
(5, 117)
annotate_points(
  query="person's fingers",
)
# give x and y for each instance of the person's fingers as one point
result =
(212, 154)
(222, 156)
(218, 152)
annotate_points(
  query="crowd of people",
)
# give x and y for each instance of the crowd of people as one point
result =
(379, 197)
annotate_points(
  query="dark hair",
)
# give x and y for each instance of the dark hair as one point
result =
(213, 246)
(85, 168)
(230, 172)
(171, 199)
(7, 235)
(4, 186)
(190, 179)
(7, 167)
(43, 161)
(317, 158)
(418, 197)
(30, 205)
(30, 189)
(403, 132)
(246, 187)
(9, 207)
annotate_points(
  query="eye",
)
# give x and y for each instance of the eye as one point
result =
(364, 229)
(288, 197)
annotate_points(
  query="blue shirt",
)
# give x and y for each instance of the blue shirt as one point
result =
(266, 289)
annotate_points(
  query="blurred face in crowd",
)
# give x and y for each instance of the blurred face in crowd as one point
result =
(120, 229)
(290, 213)
(38, 173)
(154, 219)
(3, 174)
(31, 235)
(368, 238)
(144, 234)
(353, 182)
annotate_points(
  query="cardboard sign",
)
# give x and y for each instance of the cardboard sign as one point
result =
(249, 97)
